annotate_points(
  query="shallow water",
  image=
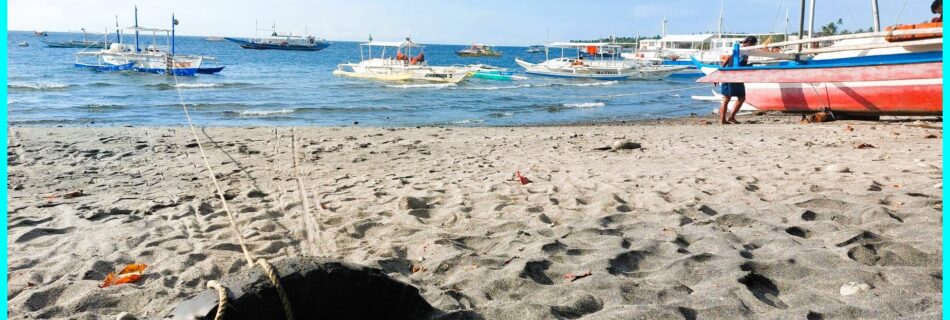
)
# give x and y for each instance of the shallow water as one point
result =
(286, 88)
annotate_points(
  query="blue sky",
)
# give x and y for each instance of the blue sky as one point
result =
(499, 22)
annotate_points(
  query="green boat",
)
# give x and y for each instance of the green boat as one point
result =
(496, 74)
(479, 50)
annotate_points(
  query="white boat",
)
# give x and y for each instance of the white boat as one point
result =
(151, 59)
(601, 67)
(394, 61)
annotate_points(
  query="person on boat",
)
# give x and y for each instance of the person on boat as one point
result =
(737, 90)
(579, 61)
(401, 57)
(937, 8)
(418, 59)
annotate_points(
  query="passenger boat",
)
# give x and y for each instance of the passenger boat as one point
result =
(152, 59)
(278, 41)
(601, 68)
(40, 33)
(391, 62)
(535, 49)
(479, 50)
(893, 72)
(214, 39)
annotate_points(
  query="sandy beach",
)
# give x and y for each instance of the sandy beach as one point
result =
(768, 220)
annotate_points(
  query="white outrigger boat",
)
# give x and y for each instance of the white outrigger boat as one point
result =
(599, 66)
(119, 56)
(391, 64)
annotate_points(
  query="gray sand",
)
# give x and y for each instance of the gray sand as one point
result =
(757, 221)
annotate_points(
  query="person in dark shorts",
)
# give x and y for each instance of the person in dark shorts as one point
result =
(737, 90)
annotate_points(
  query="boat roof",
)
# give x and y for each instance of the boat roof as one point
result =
(395, 44)
(579, 44)
(687, 37)
(143, 29)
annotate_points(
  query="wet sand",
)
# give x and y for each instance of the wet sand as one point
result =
(768, 220)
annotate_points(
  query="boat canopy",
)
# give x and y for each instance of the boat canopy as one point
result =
(687, 38)
(143, 29)
(570, 45)
(393, 44)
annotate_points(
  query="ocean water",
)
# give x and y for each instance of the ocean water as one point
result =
(287, 88)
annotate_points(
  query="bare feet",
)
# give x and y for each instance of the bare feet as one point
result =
(734, 121)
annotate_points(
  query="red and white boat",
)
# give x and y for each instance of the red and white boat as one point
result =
(894, 72)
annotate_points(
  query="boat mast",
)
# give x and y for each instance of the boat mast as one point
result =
(118, 36)
(877, 16)
(801, 30)
(811, 20)
(174, 22)
(137, 29)
(83, 35)
(663, 27)
(721, 8)
(786, 25)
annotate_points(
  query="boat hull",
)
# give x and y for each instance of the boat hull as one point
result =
(887, 89)
(267, 46)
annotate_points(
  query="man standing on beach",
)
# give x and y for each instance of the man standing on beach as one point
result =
(737, 90)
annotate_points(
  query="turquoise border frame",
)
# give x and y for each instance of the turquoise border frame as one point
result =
(943, 235)
(3, 165)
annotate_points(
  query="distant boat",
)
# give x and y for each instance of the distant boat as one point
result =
(214, 39)
(401, 67)
(76, 43)
(278, 41)
(40, 33)
(603, 68)
(535, 49)
(479, 50)
(24, 44)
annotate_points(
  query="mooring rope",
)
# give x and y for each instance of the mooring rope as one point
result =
(222, 298)
(262, 263)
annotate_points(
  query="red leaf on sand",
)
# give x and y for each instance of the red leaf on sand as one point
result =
(134, 268)
(572, 276)
(522, 178)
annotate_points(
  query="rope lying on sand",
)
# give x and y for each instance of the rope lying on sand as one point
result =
(262, 263)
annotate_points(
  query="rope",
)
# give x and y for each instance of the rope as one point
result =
(275, 279)
(262, 263)
(222, 298)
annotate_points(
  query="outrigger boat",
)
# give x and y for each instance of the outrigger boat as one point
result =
(893, 72)
(390, 64)
(487, 72)
(153, 59)
(479, 50)
(278, 41)
(78, 44)
(600, 68)
(535, 49)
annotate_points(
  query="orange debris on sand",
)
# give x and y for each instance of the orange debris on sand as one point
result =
(131, 273)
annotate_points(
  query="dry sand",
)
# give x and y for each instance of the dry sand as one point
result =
(763, 221)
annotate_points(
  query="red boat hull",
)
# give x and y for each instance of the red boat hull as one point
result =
(909, 89)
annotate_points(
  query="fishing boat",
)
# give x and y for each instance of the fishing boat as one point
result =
(151, 59)
(278, 41)
(535, 49)
(600, 68)
(23, 44)
(77, 43)
(479, 50)
(394, 61)
(897, 71)
(40, 33)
